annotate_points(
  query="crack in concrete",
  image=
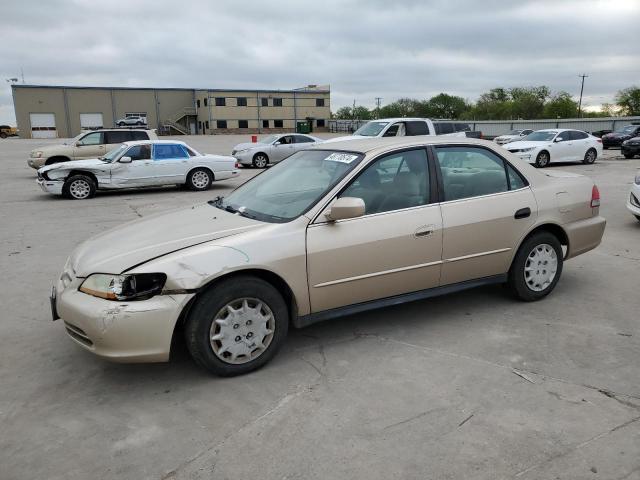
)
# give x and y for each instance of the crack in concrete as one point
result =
(577, 447)
(135, 210)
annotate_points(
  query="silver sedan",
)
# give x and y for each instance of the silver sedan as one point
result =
(272, 149)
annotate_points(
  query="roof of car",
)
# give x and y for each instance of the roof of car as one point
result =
(367, 145)
(142, 142)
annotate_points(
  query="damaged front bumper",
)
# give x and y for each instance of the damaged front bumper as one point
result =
(50, 186)
(134, 331)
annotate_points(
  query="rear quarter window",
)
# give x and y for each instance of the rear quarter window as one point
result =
(138, 135)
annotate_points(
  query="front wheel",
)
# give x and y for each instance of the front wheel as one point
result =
(260, 160)
(199, 179)
(536, 268)
(590, 157)
(237, 327)
(629, 156)
(542, 160)
(79, 187)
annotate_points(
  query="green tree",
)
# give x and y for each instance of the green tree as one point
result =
(561, 105)
(528, 102)
(446, 106)
(494, 105)
(361, 113)
(344, 113)
(629, 101)
(404, 107)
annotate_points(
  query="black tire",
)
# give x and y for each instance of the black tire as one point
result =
(210, 303)
(629, 156)
(590, 156)
(517, 281)
(139, 123)
(260, 160)
(637, 217)
(199, 179)
(3, 135)
(121, 124)
(605, 147)
(79, 187)
(543, 159)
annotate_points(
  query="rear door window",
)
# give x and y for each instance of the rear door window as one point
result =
(118, 136)
(416, 128)
(302, 139)
(576, 135)
(470, 172)
(168, 151)
(138, 135)
(443, 128)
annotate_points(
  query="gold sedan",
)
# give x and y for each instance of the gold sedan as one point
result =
(339, 228)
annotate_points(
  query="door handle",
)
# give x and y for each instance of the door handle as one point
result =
(522, 213)
(424, 231)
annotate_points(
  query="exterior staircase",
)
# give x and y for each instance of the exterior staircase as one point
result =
(173, 122)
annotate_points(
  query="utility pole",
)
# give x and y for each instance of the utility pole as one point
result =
(378, 100)
(581, 90)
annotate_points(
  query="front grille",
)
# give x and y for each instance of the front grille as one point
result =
(78, 334)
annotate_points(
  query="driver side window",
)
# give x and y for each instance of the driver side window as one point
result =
(139, 152)
(566, 135)
(393, 182)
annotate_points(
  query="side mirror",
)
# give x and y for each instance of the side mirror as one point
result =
(125, 160)
(277, 143)
(79, 144)
(345, 207)
(558, 139)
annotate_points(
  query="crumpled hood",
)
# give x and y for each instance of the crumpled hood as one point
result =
(245, 146)
(139, 241)
(88, 163)
(523, 144)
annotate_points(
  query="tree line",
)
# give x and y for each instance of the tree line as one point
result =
(498, 104)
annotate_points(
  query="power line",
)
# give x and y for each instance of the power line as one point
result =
(581, 90)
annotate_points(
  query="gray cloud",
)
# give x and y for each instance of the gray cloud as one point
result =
(364, 48)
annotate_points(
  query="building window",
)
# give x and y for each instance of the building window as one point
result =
(243, 124)
(277, 123)
(198, 103)
(221, 124)
(265, 102)
(206, 124)
(320, 123)
(205, 102)
(220, 102)
(242, 101)
(319, 102)
(265, 123)
(277, 102)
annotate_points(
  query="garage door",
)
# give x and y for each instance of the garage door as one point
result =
(43, 125)
(91, 121)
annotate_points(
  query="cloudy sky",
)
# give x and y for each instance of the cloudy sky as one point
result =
(362, 48)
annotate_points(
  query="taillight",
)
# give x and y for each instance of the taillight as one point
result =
(237, 164)
(595, 197)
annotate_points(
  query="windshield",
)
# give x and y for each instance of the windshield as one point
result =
(291, 187)
(539, 137)
(627, 130)
(269, 139)
(114, 154)
(371, 129)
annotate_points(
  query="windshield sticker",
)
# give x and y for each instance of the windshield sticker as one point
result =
(341, 157)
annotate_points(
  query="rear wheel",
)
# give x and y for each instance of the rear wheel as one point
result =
(542, 160)
(79, 187)
(260, 160)
(536, 267)
(199, 179)
(3, 135)
(237, 327)
(629, 156)
(590, 156)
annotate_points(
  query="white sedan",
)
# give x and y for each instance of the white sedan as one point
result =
(556, 145)
(633, 203)
(272, 149)
(137, 164)
(512, 136)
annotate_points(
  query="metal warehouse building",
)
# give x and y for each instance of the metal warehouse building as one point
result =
(64, 111)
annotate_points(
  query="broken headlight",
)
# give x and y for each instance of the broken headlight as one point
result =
(138, 286)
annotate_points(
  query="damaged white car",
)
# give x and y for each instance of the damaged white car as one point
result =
(137, 164)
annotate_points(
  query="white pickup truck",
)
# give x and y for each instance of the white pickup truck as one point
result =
(407, 127)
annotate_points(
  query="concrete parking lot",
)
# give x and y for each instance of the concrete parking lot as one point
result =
(473, 385)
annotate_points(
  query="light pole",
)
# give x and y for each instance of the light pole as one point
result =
(581, 90)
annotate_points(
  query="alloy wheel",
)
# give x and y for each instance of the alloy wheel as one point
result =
(200, 179)
(80, 189)
(260, 161)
